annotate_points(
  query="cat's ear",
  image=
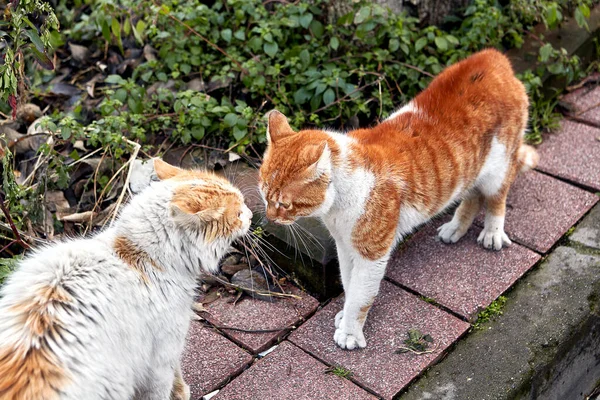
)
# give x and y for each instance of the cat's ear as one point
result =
(193, 206)
(322, 154)
(277, 126)
(183, 211)
(164, 170)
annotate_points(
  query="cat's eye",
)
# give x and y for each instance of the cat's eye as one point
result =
(285, 206)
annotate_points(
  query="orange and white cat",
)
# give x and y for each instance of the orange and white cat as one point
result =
(459, 140)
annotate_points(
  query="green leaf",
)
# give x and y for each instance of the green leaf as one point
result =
(115, 79)
(441, 43)
(394, 44)
(328, 96)
(404, 48)
(585, 10)
(422, 42)
(305, 58)
(315, 101)
(362, 14)
(301, 96)
(226, 34)
(556, 68)
(121, 95)
(553, 15)
(240, 34)
(198, 132)
(164, 9)
(230, 119)
(127, 26)
(334, 43)
(317, 29)
(42, 58)
(105, 31)
(305, 20)
(238, 133)
(65, 133)
(135, 105)
(115, 27)
(452, 39)
(271, 49)
(35, 39)
(545, 52)
(116, 30)
(138, 30)
(580, 18)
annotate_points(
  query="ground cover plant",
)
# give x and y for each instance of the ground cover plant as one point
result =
(92, 82)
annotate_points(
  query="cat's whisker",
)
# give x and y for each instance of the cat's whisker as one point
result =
(310, 236)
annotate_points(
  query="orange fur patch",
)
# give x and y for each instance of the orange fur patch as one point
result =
(134, 257)
(29, 370)
(178, 391)
(215, 205)
(364, 310)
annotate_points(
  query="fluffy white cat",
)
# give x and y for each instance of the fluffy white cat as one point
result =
(106, 317)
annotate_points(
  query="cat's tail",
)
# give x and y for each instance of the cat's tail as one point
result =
(528, 157)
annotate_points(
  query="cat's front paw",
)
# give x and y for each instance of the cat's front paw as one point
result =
(338, 319)
(493, 239)
(451, 232)
(349, 340)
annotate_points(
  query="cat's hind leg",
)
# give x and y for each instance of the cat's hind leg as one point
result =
(180, 390)
(464, 215)
(493, 236)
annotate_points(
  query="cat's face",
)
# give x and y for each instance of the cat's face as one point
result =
(295, 177)
(206, 202)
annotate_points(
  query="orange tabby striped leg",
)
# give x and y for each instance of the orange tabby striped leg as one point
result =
(466, 212)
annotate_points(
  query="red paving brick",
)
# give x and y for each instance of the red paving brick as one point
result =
(254, 314)
(463, 277)
(377, 367)
(540, 209)
(290, 373)
(585, 103)
(572, 153)
(209, 360)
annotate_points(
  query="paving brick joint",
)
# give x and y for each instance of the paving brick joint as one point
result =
(459, 281)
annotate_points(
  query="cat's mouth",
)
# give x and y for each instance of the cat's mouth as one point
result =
(280, 221)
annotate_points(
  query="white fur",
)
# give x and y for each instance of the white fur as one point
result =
(409, 107)
(121, 337)
(492, 236)
(493, 172)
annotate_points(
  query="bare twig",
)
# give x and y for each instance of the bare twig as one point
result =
(260, 292)
(136, 149)
(13, 228)
(413, 67)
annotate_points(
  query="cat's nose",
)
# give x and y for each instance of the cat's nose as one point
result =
(271, 213)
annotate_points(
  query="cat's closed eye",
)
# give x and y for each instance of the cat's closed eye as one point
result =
(285, 206)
